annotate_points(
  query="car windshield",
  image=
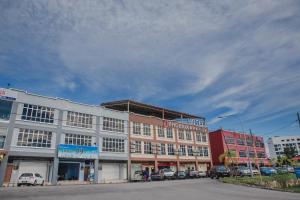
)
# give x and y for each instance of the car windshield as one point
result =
(221, 168)
(167, 170)
(26, 175)
(244, 168)
(181, 172)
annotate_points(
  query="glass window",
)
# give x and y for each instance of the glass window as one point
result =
(204, 137)
(169, 133)
(162, 149)
(182, 150)
(188, 135)
(190, 150)
(200, 151)
(113, 124)
(229, 140)
(146, 129)
(249, 142)
(113, 145)
(198, 136)
(138, 147)
(38, 113)
(160, 131)
(136, 128)
(241, 141)
(205, 150)
(34, 138)
(261, 154)
(147, 148)
(251, 154)
(5, 109)
(171, 149)
(2, 141)
(181, 134)
(79, 119)
(75, 139)
(242, 153)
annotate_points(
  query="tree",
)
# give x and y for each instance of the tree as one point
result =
(290, 152)
(227, 157)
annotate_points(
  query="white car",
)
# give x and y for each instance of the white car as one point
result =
(31, 179)
(168, 174)
(202, 174)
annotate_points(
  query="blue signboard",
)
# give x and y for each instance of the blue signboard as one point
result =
(74, 151)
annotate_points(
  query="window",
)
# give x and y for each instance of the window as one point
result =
(38, 113)
(258, 143)
(79, 119)
(181, 134)
(162, 149)
(138, 147)
(200, 151)
(229, 140)
(113, 145)
(241, 141)
(261, 154)
(249, 142)
(112, 124)
(171, 149)
(169, 133)
(136, 128)
(34, 138)
(198, 136)
(190, 150)
(160, 131)
(204, 137)
(242, 153)
(188, 135)
(5, 109)
(147, 148)
(251, 154)
(182, 150)
(81, 140)
(205, 151)
(146, 129)
(2, 141)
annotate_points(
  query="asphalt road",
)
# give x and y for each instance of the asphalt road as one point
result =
(205, 189)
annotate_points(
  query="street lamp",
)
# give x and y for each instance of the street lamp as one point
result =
(242, 125)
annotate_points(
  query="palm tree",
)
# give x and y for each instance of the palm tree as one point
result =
(227, 157)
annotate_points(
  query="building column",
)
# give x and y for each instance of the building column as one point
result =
(197, 166)
(57, 142)
(96, 162)
(178, 165)
(8, 141)
(155, 165)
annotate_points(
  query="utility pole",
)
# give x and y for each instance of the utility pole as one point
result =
(249, 160)
(298, 115)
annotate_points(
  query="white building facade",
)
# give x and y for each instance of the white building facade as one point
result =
(277, 144)
(61, 140)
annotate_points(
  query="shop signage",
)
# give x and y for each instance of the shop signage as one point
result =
(175, 124)
(195, 122)
(8, 94)
(74, 151)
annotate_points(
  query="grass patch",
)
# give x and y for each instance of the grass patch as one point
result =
(278, 181)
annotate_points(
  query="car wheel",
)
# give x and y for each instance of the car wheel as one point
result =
(35, 183)
(18, 185)
(42, 183)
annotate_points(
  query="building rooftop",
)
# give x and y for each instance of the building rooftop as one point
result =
(149, 110)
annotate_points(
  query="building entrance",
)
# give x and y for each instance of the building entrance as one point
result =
(68, 171)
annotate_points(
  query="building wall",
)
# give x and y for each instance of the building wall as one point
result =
(217, 146)
(277, 144)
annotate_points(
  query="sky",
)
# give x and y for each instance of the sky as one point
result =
(239, 59)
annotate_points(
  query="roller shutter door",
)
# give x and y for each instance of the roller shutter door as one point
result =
(110, 171)
(33, 167)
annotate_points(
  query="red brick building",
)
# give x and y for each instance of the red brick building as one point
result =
(239, 145)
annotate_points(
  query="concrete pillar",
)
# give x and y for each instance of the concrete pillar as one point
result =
(196, 165)
(8, 141)
(155, 165)
(57, 142)
(178, 165)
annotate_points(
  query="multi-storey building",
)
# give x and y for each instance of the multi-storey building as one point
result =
(162, 138)
(61, 140)
(277, 144)
(240, 148)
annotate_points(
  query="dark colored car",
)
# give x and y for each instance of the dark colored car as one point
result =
(219, 171)
(180, 175)
(156, 176)
(267, 171)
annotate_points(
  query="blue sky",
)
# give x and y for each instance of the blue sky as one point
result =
(209, 58)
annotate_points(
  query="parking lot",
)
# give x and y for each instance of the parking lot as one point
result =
(177, 189)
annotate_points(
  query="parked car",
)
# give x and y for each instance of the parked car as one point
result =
(192, 174)
(219, 171)
(267, 171)
(137, 176)
(156, 176)
(255, 171)
(30, 179)
(180, 175)
(202, 174)
(240, 171)
(288, 168)
(168, 173)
